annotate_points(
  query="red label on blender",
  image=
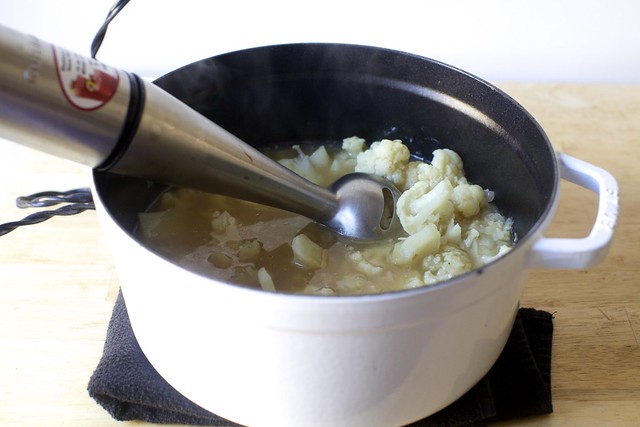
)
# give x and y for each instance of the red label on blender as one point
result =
(86, 83)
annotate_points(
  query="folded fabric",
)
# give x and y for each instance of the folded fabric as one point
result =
(126, 385)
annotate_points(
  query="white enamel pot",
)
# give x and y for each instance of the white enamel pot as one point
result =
(271, 359)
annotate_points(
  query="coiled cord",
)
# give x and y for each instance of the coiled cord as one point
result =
(79, 201)
(99, 37)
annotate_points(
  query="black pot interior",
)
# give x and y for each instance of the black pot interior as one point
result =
(326, 92)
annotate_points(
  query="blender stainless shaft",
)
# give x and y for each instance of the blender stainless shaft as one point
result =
(132, 127)
(77, 108)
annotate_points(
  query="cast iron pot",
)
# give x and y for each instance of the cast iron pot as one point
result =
(261, 358)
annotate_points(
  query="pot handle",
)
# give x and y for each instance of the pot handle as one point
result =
(590, 250)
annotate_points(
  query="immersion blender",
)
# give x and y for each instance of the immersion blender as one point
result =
(77, 108)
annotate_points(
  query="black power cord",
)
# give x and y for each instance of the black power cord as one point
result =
(99, 37)
(78, 200)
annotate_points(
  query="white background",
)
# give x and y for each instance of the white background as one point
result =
(539, 41)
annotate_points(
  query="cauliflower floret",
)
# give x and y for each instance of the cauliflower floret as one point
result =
(325, 290)
(468, 199)
(385, 158)
(353, 145)
(301, 165)
(416, 246)
(148, 223)
(320, 158)
(488, 237)
(452, 227)
(470, 237)
(265, 280)
(451, 262)
(249, 249)
(342, 164)
(420, 205)
(450, 164)
(354, 284)
(306, 253)
(224, 227)
(363, 265)
(319, 167)
(419, 171)
(414, 281)
(453, 233)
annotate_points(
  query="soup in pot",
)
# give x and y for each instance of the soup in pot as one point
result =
(451, 226)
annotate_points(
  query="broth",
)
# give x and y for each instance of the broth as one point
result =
(451, 227)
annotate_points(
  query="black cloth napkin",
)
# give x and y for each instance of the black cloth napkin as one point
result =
(519, 384)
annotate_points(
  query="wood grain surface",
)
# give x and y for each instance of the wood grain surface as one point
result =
(58, 285)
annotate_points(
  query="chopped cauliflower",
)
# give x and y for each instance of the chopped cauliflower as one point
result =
(320, 158)
(453, 233)
(266, 282)
(451, 226)
(488, 237)
(353, 145)
(363, 265)
(149, 222)
(301, 164)
(385, 158)
(306, 253)
(421, 205)
(249, 249)
(342, 164)
(420, 171)
(450, 164)
(319, 167)
(450, 262)
(468, 199)
(224, 227)
(324, 290)
(413, 281)
(416, 246)
(354, 283)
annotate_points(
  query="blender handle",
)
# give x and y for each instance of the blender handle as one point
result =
(77, 108)
(63, 103)
(82, 110)
(582, 252)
